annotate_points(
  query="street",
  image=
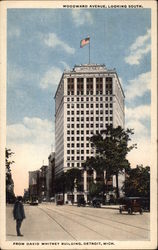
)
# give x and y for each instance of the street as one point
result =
(50, 222)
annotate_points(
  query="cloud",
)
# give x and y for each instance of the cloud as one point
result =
(53, 41)
(66, 66)
(51, 78)
(139, 48)
(14, 32)
(136, 119)
(31, 130)
(138, 113)
(138, 86)
(31, 141)
(80, 17)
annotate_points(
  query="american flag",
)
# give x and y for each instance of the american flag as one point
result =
(84, 42)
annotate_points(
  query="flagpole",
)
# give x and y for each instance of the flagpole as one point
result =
(89, 51)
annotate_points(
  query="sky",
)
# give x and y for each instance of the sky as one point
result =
(41, 43)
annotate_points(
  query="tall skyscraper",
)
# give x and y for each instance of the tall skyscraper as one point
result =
(88, 98)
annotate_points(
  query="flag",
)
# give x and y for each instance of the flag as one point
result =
(84, 42)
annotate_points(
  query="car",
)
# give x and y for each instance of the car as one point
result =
(60, 202)
(34, 203)
(131, 205)
(81, 202)
(96, 202)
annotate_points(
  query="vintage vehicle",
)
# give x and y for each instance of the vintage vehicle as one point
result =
(96, 202)
(60, 202)
(131, 205)
(34, 202)
(81, 202)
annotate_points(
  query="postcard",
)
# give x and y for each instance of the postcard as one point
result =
(78, 95)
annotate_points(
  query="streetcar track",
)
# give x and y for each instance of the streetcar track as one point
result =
(58, 223)
(116, 221)
(127, 231)
(103, 236)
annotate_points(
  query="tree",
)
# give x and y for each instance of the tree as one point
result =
(137, 182)
(111, 147)
(73, 178)
(10, 196)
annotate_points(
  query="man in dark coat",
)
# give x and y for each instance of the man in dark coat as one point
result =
(19, 214)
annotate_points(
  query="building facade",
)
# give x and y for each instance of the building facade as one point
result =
(50, 176)
(88, 98)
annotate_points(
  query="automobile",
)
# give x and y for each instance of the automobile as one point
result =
(52, 199)
(131, 205)
(60, 202)
(34, 203)
(96, 202)
(81, 202)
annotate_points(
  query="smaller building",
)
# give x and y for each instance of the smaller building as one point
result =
(34, 185)
(50, 176)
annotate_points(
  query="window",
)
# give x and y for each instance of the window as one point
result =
(72, 138)
(72, 112)
(77, 119)
(82, 158)
(91, 105)
(72, 145)
(101, 105)
(78, 158)
(68, 152)
(111, 118)
(82, 105)
(72, 119)
(82, 112)
(68, 106)
(72, 151)
(72, 158)
(87, 112)
(68, 132)
(82, 138)
(68, 145)
(78, 164)
(78, 112)
(72, 132)
(87, 99)
(87, 151)
(91, 118)
(78, 105)
(68, 119)
(82, 125)
(68, 158)
(82, 152)
(82, 99)
(78, 125)
(97, 105)
(82, 132)
(82, 145)
(87, 119)
(87, 125)
(72, 125)
(97, 118)
(68, 138)
(87, 105)
(78, 138)
(78, 145)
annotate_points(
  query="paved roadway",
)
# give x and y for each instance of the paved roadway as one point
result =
(51, 222)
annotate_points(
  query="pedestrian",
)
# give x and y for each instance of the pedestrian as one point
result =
(19, 214)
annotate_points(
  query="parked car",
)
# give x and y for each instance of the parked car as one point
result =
(96, 202)
(34, 203)
(81, 202)
(131, 205)
(60, 202)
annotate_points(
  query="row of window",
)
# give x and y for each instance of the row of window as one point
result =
(89, 80)
(78, 152)
(89, 105)
(87, 125)
(88, 112)
(89, 98)
(73, 164)
(82, 119)
(81, 92)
